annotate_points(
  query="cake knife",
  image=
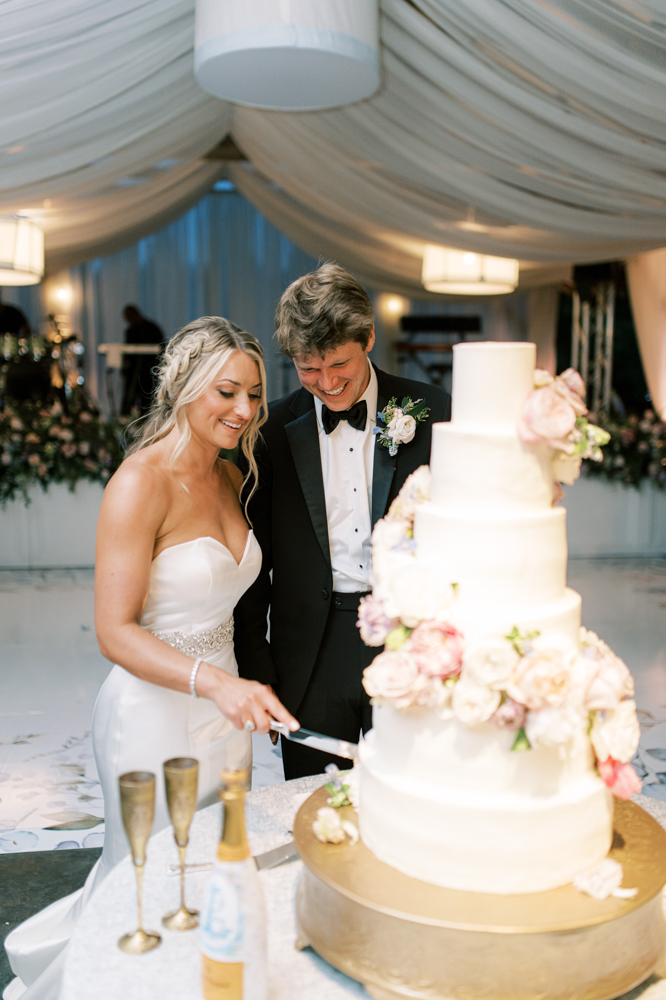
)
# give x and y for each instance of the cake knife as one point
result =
(340, 748)
(269, 859)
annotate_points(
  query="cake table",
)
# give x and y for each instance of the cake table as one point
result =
(95, 967)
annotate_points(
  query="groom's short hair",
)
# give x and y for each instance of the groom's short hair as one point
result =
(321, 311)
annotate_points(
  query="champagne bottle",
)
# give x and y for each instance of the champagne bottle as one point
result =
(233, 914)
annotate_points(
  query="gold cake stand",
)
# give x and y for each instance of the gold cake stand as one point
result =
(405, 938)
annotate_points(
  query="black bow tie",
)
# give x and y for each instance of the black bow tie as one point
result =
(356, 416)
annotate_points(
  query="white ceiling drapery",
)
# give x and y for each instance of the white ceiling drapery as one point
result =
(102, 126)
(526, 128)
(509, 127)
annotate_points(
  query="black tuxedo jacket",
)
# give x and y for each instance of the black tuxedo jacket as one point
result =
(288, 515)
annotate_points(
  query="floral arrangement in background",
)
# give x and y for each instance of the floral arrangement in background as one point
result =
(555, 412)
(44, 443)
(636, 451)
(544, 688)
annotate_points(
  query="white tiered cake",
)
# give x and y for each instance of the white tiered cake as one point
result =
(496, 665)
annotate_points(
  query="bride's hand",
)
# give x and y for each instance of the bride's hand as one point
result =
(243, 701)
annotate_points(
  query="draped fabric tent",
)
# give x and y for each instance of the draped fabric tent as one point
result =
(519, 128)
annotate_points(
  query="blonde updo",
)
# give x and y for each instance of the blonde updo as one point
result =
(191, 360)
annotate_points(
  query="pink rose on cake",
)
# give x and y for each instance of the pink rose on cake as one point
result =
(547, 416)
(392, 677)
(571, 387)
(540, 679)
(491, 663)
(437, 649)
(473, 703)
(510, 715)
(620, 778)
(616, 733)
(373, 621)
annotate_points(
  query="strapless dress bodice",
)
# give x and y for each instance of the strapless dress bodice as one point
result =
(196, 585)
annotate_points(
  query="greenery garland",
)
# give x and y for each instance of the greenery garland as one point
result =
(635, 453)
(44, 443)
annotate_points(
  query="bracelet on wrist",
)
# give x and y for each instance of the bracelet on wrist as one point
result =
(193, 677)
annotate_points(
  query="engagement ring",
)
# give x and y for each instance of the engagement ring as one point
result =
(250, 726)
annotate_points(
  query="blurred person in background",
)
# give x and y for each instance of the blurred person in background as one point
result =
(138, 368)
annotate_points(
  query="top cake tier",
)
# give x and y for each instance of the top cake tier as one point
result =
(491, 382)
(478, 460)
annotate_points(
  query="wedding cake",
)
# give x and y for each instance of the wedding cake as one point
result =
(500, 727)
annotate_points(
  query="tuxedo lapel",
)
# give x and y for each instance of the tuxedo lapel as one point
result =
(384, 466)
(303, 438)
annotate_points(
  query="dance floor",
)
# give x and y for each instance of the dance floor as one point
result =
(52, 671)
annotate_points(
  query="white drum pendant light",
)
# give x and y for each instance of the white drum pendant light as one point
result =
(287, 55)
(458, 272)
(21, 251)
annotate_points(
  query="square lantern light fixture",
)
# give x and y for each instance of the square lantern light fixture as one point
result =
(459, 272)
(21, 251)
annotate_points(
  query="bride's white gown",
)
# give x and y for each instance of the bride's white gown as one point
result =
(194, 588)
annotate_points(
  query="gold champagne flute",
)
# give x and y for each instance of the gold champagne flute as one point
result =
(181, 777)
(137, 802)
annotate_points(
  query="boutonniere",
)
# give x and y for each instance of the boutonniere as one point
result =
(400, 422)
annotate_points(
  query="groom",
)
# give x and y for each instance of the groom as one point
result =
(325, 479)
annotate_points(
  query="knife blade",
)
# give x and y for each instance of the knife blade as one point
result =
(269, 859)
(340, 748)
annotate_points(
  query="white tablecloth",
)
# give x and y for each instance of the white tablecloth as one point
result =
(96, 969)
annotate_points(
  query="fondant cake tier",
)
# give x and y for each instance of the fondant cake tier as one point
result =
(451, 805)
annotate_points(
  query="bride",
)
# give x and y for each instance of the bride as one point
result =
(174, 555)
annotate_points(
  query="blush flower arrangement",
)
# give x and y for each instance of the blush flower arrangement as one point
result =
(555, 413)
(43, 444)
(545, 689)
(636, 451)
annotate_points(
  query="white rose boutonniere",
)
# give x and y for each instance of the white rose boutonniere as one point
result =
(400, 422)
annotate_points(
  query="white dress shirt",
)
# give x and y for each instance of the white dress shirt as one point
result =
(347, 460)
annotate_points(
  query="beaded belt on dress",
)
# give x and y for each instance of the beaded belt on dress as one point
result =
(199, 643)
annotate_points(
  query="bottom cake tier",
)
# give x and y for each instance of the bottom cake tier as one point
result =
(404, 938)
(454, 807)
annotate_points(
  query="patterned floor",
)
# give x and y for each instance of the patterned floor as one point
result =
(52, 670)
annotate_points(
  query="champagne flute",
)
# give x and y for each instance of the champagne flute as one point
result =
(181, 776)
(137, 802)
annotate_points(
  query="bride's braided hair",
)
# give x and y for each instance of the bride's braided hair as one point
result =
(190, 362)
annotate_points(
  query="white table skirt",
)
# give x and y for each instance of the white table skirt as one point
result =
(95, 966)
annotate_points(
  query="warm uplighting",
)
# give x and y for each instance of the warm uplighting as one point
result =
(394, 305)
(64, 296)
(459, 272)
(21, 251)
(391, 307)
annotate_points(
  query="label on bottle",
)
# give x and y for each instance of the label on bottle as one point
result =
(232, 933)
(222, 980)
